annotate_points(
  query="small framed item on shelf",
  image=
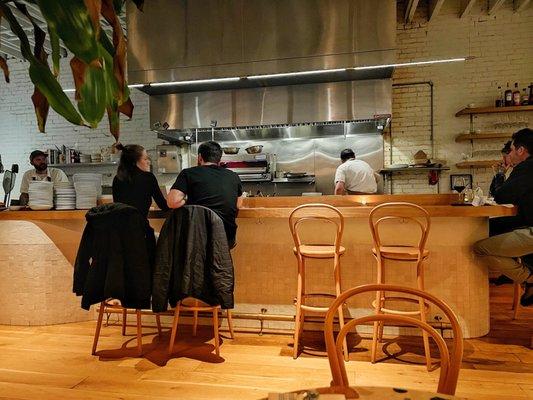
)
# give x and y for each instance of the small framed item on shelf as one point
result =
(460, 182)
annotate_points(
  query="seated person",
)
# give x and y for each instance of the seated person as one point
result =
(211, 186)
(40, 172)
(354, 176)
(500, 252)
(134, 184)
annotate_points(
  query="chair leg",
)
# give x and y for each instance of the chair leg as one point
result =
(379, 304)
(338, 291)
(516, 299)
(230, 324)
(139, 332)
(298, 319)
(215, 331)
(422, 307)
(124, 320)
(195, 319)
(174, 328)
(158, 322)
(98, 327)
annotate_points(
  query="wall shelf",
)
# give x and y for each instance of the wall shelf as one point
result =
(412, 169)
(482, 136)
(492, 110)
(477, 164)
(102, 164)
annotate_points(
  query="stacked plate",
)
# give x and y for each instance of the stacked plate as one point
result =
(88, 188)
(85, 158)
(41, 195)
(65, 196)
(96, 158)
(95, 179)
(85, 195)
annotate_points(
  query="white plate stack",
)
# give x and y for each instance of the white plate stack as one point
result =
(88, 188)
(85, 195)
(41, 195)
(65, 196)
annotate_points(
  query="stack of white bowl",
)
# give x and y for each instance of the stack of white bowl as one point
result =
(41, 195)
(65, 196)
(96, 158)
(88, 188)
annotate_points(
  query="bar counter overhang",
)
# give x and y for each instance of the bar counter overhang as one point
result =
(38, 248)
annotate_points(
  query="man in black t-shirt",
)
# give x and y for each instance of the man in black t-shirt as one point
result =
(211, 186)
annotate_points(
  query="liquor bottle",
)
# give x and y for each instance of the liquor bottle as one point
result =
(508, 96)
(525, 97)
(498, 102)
(516, 95)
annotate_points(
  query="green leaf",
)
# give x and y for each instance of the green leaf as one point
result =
(73, 24)
(56, 48)
(90, 90)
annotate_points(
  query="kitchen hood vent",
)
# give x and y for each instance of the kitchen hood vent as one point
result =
(272, 132)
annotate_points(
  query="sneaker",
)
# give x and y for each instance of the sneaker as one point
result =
(501, 280)
(527, 298)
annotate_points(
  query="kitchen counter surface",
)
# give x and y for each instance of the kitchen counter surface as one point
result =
(280, 207)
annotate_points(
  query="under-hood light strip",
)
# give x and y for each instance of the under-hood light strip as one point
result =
(298, 73)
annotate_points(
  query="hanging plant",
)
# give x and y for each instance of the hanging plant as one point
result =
(98, 64)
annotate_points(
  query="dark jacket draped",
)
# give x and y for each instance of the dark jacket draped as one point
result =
(112, 260)
(192, 260)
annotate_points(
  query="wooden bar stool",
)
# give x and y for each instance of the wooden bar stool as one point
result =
(112, 306)
(316, 213)
(417, 254)
(196, 307)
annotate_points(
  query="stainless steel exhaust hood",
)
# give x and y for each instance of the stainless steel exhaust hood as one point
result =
(185, 48)
(190, 40)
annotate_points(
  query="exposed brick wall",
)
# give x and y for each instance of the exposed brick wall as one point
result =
(503, 47)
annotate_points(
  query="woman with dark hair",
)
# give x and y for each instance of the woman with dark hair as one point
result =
(134, 184)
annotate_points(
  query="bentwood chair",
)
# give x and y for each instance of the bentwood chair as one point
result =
(417, 220)
(314, 214)
(450, 361)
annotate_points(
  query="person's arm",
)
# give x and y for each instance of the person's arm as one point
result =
(511, 190)
(175, 198)
(116, 191)
(62, 176)
(240, 199)
(340, 188)
(157, 195)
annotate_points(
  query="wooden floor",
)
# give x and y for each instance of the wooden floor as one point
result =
(55, 363)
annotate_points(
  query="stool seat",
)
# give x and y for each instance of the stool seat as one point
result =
(318, 250)
(401, 253)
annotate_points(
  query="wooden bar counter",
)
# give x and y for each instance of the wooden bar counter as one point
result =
(37, 249)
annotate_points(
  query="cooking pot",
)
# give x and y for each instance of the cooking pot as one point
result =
(254, 149)
(230, 150)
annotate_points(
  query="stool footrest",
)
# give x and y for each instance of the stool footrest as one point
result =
(399, 312)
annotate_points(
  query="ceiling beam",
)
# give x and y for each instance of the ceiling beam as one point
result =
(434, 8)
(410, 10)
(494, 5)
(520, 5)
(466, 6)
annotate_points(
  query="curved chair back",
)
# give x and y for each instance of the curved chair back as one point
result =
(450, 363)
(319, 213)
(398, 211)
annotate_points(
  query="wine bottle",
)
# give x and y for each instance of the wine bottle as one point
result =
(525, 97)
(516, 95)
(508, 96)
